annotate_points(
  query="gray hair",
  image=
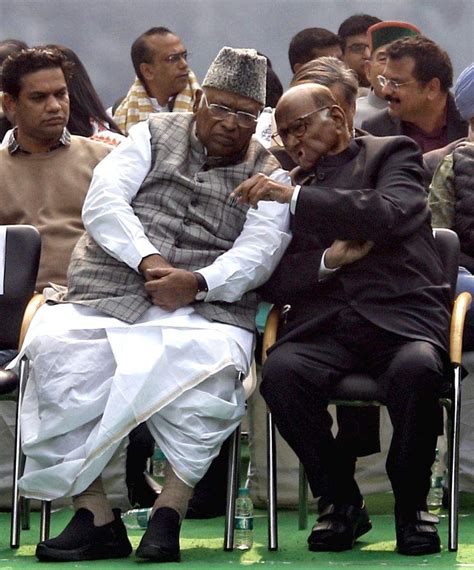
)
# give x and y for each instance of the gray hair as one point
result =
(328, 71)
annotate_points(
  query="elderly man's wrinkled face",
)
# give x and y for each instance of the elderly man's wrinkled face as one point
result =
(225, 122)
(307, 130)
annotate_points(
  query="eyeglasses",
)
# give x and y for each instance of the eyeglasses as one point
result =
(297, 128)
(358, 48)
(221, 112)
(177, 57)
(393, 85)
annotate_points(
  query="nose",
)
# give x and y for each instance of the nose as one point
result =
(387, 89)
(230, 121)
(52, 103)
(183, 63)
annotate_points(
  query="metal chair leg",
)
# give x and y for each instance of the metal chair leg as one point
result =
(454, 462)
(302, 499)
(15, 519)
(45, 520)
(232, 486)
(272, 484)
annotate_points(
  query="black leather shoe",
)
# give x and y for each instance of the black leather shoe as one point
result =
(82, 540)
(338, 527)
(160, 542)
(417, 534)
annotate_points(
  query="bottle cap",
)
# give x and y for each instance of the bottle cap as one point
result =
(244, 492)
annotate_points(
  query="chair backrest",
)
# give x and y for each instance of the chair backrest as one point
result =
(22, 255)
(447, 243)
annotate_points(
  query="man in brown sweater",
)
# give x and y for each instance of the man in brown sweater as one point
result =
(45, 171)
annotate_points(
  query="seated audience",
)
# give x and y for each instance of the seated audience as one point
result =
(451, 194)
(45, 171)
(160, 301)
(379, 36)
(163, 81)
(312, 43)
(416, 81)
(88, 117)
(362, 244)
(356, 46)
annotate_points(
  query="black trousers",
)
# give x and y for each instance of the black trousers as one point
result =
(297, 382)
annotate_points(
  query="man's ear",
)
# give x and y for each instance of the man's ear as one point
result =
(337, 115)
(434, 88)
(9, 106)
(146, 71)
(197, 100)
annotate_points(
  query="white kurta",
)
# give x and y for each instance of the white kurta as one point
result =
(94, 378)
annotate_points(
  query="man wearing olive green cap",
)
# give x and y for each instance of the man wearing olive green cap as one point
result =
(379, 35)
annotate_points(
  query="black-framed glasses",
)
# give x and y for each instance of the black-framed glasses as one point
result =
(221, 112)
(177, 57)
(297, 128)
(359, 48)
(393, 85)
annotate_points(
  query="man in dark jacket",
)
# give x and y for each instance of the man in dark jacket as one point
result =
(416, 83)
(367, 293)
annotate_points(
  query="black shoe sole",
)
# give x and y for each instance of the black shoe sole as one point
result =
(158, 553)
(325, 547)
(87, 552)
(419, 550)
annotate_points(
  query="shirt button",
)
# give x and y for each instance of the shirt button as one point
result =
(353, 303)
(177, 243)
(194, 202)
(321, 176)
(186, 221)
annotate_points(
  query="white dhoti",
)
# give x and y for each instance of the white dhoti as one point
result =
(94, 378)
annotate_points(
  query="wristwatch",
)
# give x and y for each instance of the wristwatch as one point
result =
(202, 287)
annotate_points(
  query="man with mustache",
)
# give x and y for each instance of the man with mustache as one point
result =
(367, 293)
(416, 82)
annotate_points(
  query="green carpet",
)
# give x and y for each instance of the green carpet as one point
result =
(201, 544)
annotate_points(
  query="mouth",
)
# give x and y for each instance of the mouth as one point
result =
(54, 121)
(224, 140)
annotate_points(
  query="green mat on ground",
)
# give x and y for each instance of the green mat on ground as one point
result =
(201, 544)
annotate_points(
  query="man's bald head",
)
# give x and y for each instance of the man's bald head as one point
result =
(320, 95)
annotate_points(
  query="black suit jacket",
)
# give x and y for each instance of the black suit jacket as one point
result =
(372, 191)
(382, 124)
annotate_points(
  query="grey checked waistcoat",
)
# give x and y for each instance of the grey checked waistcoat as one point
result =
(184, 208)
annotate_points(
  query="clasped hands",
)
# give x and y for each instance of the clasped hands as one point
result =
(168, 287)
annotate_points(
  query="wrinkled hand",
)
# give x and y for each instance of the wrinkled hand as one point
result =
(151, 262)
(170, 288)
(261, 187)
(343, 252)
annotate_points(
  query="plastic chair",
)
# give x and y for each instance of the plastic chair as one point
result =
(362, 390)
(22, 255)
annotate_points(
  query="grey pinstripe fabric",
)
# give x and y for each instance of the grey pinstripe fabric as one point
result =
(184, 209)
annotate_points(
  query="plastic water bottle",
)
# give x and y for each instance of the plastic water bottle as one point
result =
(136, 519)
(435, 495)
(243, 523)
(158, 466)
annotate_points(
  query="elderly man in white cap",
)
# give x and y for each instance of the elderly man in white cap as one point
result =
(157, 323)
